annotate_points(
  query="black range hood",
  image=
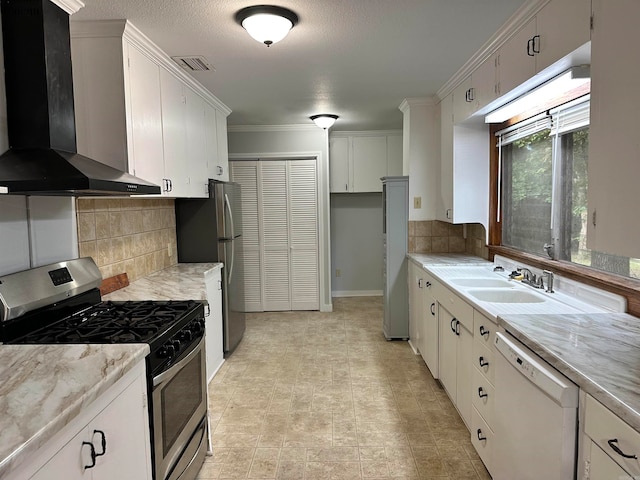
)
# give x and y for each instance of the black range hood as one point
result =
(42, 158)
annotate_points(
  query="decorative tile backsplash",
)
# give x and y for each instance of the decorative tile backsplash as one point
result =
(434, 236)
(132, 235)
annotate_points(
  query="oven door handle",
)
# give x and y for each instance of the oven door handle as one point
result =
(173, 370)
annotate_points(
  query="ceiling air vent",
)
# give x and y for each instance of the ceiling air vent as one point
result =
(194, 63)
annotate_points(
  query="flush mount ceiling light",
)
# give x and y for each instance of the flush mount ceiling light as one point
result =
(554, 88)
(324, 120)
(267, 24)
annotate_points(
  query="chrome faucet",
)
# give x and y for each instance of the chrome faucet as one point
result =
(549, 276)
(531, 278)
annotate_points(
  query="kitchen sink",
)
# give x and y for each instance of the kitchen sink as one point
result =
(506, 296)
(481, 282)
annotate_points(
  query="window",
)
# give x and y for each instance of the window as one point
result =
(544, 181)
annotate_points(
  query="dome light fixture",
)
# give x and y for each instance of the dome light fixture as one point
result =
(267, 24)
(324, 120)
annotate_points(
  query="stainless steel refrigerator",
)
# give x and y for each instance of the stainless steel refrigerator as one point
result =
(210, 230)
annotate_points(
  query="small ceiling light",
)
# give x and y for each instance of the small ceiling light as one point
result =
(324, 120)
(267, 24)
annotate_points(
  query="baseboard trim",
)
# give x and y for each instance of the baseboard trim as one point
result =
(357, 293)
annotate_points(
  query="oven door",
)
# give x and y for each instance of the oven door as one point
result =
(179, 412)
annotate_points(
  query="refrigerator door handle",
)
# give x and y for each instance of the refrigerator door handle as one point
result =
(227, 204)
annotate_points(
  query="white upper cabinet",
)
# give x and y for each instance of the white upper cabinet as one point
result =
(358, 160)
(137, 111)
(614, 145)
(339, 148)
(558, 29)
(483, 79)
(464, 169)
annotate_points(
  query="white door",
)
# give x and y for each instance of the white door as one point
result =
(246, 174)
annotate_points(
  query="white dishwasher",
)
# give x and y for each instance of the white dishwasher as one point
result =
(535, 430)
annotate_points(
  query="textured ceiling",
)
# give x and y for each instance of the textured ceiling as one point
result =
(356, 58)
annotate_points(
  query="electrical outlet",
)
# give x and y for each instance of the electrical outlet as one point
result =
(338, 272)
(417, 202)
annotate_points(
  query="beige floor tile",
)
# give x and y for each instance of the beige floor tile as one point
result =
(310, 395)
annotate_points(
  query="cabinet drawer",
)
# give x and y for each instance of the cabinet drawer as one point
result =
(603, 468)
(455, 305)
(483, 360)
(482, 438)
(482, 325)
(482, 396)
(604, 427)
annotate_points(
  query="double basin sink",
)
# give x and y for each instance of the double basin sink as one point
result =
(496, 290)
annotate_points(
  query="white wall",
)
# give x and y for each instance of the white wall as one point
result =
(356, 244)
(421, 154)
(286, 141)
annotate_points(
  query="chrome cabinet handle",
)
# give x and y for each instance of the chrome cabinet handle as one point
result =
(480, 436)
(482, 362)
(483, 331)
(103, 442)
(93, 455)
(612, 443)
(481, 393)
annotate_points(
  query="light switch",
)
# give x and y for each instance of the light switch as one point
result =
(417, 202)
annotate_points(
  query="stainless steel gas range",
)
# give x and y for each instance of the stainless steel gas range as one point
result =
(60, 303)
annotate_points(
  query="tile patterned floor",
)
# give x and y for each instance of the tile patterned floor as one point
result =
(324, 396)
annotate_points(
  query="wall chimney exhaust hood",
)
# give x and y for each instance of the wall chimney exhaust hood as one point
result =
(42, 158)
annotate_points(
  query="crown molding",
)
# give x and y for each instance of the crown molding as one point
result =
(69, 6)
(273, 128)
(127, 31)
(417, 102)
(519, 19)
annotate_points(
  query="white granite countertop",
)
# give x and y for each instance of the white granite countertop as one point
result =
(44, 387)
(184, 281)
(599, 352)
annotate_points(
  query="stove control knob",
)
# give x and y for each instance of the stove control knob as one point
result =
(186, 335)
(176, 344)
(167, 351)
(196, 327)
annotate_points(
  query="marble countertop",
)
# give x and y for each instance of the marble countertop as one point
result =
(44, 387)
(184, 281)
(430, 259)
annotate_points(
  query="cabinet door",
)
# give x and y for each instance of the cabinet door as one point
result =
(196, 146)
(146, 147)
(174, 135)
(445, 205)
(602, 466)
(213, 326)
(339, 164)
(464, 374)
(448, 356)
(415, 304)
(223, 146)
(515, 64)
(462, 101)
(125, 424)
(211, 146)
(429, 336)
(484, 83)
(614, 147)
(394, 155)
(369, 163)
(69, 462)
(562, 26)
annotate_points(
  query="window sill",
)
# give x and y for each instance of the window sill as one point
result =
(627, 287)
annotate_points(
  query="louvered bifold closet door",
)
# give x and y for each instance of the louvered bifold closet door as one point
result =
(276, 287)
(303, 234)
(246, 174)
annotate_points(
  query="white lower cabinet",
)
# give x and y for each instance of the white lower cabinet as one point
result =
(610, 447)
(213, 322)
(423, 323)
(108, 440)
(455, 350)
